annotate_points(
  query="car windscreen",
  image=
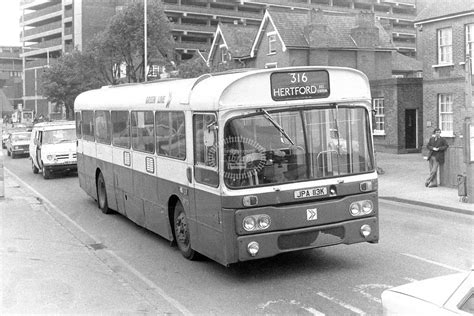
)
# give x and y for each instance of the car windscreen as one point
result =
(59, 136)
(20, 137)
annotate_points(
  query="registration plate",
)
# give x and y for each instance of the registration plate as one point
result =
(306, 193)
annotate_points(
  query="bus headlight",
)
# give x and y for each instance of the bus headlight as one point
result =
(50, 157)
(360, 208)
(249, 223)
(256, 222)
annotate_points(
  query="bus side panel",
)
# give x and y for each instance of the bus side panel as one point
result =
(104, 163)
(88, 174)
(122, 176)
(210, 238)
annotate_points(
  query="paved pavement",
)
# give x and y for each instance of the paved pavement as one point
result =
(404, 178)
(49, 265)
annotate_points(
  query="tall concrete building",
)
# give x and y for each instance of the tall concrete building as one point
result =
(11, 72)
(53, 27)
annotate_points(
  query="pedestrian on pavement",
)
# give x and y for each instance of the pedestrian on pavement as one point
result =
(436, 145)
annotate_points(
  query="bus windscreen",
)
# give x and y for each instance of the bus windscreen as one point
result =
(296, 145)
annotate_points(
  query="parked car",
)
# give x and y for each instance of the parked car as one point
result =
(5, 134)
(17, 144)
(446, 295)
(53, 147)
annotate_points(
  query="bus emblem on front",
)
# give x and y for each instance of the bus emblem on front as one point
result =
(312, 214)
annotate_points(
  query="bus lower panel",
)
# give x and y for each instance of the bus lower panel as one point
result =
(273, 243)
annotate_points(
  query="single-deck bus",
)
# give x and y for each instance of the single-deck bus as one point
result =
(236, 166)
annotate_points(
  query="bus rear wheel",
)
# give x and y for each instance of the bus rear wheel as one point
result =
(181, 232)
(102, 195)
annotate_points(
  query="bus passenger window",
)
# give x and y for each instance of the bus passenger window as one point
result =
(102, 122)
(78, 125)
(170, 134)
(143, 131)
(88, 125)
(120, 129)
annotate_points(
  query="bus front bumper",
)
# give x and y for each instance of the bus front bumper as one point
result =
(276, 242)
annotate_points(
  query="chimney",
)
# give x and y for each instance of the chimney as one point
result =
(315, 30)
(365, 33)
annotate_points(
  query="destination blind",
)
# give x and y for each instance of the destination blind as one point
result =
(299, 85)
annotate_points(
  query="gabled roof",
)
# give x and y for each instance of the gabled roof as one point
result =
(237, 38)
(290, 27)
(404, 63)
(444, 9)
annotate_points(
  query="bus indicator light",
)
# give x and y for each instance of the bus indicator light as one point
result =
(365, 230)
(253, 247)
(250, 200)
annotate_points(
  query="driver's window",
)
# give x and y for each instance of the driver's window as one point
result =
(205, 149)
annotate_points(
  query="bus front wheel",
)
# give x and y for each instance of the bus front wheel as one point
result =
(102, 195)
(181, 232)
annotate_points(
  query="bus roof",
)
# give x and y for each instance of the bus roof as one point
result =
(237, 89)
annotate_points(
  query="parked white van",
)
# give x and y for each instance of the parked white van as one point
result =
(53, 147)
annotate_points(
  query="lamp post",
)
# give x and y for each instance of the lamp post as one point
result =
(145, 61)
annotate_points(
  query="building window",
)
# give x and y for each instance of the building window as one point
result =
(271, 43)
(223, 49)
(470, 43)
(445, 46)
(379, 114)
(445, 110)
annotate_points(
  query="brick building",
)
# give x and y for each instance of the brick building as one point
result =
(232, 44)
(446, 40)
(289, 38)
(11, 72)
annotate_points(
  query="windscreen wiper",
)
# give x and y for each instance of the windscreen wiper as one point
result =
(278, 126)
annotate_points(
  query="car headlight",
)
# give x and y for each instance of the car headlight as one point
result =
(50, 157)
(360, 208)
(256, 222)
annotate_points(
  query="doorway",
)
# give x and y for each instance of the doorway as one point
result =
(411, 128)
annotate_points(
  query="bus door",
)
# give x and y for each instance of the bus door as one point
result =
(206, 195)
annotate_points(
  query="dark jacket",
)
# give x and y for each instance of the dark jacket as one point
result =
(441, 144)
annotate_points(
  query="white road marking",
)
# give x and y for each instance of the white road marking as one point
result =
(410, 279)
(147, 281)
(434, 262)
(363, 287)
(292, 302)
(341, 303)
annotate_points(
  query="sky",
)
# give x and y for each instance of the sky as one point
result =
(10, 23)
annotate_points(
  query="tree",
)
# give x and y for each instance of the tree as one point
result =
(196, 67)
(71, 75)
(121, 45)
(193, 68)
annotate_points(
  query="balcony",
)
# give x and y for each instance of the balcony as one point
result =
(193, 28)
(44, 30)
(204, 11)
(37, 4)
(43, 14)
(191, 46)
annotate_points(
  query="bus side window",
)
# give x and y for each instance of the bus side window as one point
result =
(88, 125)
(170, 134)
(205, 149)
(78, 125)
(143, 138)
(120, 129)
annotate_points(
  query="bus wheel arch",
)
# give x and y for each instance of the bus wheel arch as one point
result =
(101, 191)
(180, 228)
